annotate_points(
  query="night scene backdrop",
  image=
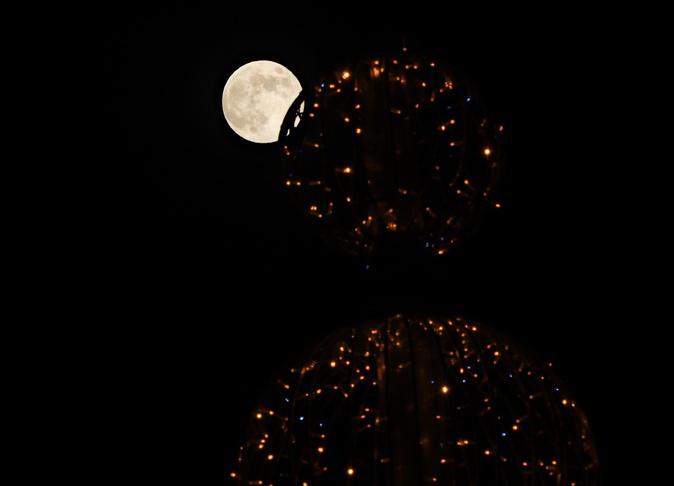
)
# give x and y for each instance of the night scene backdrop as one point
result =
(222, 282)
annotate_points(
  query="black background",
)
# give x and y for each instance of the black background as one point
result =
(216, 283)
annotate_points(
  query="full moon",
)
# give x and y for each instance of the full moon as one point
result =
(256, 99)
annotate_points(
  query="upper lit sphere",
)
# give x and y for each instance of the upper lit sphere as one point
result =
(392, 152)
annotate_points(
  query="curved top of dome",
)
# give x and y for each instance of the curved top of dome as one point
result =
(418, 401)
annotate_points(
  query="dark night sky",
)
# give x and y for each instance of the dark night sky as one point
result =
(221, 283)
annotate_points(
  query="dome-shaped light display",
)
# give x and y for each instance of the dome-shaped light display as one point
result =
(407, 402)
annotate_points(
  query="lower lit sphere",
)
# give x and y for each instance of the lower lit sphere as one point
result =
(417, 401)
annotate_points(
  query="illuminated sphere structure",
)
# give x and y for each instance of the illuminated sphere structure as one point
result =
(417, 402)
(391, 150)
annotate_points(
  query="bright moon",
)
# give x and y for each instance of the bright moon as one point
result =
(256, 99)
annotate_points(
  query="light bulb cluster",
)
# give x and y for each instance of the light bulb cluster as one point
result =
(392, 145)
(416, 401)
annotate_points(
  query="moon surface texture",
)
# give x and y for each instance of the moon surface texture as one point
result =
(256, 99)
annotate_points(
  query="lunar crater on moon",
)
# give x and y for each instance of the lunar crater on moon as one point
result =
(256, 99)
